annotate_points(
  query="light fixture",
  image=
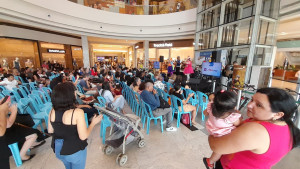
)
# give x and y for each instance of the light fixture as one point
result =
(107, 50)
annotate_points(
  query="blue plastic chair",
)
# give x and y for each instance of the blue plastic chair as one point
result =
(16, 154)
(42, 95)
(38, 105)
(193, 100)
(105, 121)
(202, 103)
(86, 120)
(169, 86)
(179, 110)
(47, 92)
(24, 107)
(33, 86)
(14, 95)
(148, 113)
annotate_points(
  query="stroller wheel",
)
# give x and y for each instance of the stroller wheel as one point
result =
(141, 143)
(121, 159)
(108, 149)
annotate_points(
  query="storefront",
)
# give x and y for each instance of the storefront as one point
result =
(31, 53)
(66, 55)
(26, 52)
(170, 50)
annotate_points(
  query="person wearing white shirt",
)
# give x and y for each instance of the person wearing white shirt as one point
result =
(159, 83)
(9, 83)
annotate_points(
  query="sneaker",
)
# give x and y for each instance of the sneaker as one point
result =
(171, 129)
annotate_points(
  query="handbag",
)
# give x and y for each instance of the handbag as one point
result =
(24, 119)
(163, 104)
(186, 119)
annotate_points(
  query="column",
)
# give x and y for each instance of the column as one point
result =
(80, 2)
(85, 51)
(146, 7)
(134, 57)
(146, 54)
(258, 5)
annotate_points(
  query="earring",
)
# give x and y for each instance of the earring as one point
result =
(274, 119)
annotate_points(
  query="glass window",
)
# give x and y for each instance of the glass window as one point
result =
(208, 39)
(236, 10)
(266, 34)
(237, 34)
(270, 8)
(210, 19)
(209, 3)
(262, 56)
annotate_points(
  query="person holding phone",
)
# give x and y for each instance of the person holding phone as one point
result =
(67, 123)
(4, 151)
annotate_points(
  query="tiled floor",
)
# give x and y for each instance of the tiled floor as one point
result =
(167, 150)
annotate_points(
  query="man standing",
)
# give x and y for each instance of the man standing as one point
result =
(149, 96)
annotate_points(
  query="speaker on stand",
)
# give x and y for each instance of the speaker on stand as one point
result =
(161, 60)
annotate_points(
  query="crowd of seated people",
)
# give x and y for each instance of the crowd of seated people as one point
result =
(70, 103)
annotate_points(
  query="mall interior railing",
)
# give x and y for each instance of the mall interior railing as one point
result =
(131, 7)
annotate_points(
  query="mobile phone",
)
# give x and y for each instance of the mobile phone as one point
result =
(5, 99)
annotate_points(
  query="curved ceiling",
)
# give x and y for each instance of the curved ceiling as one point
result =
(67, 17)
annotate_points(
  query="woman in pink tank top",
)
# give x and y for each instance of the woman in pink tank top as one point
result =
(263, 139)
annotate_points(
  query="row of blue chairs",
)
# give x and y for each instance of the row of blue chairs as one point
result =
(143, 110)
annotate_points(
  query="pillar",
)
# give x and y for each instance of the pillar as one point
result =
(146, 54)
(134, 57)
(146, 7)
(85, 51)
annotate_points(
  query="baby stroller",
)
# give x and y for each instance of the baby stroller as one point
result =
(124, 129)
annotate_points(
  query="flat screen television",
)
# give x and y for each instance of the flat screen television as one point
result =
(212, 68)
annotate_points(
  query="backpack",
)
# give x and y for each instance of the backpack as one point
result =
(163, 104)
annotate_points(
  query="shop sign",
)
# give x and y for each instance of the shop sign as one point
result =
(162, 45)
(56, 51)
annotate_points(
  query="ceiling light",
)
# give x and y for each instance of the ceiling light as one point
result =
(107, 50)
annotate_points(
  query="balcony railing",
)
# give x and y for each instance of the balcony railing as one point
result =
(131, 7)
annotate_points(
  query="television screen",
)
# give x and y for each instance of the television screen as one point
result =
(212, 68)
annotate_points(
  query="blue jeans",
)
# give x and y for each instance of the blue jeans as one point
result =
(73, 161)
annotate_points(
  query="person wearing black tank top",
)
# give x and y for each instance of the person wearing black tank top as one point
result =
(68, 126)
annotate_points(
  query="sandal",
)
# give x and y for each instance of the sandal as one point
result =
(30, 157)
(207, 164)
(42, 142)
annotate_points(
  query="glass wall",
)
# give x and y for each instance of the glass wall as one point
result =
(262, 56)
(267, 33)
(270, 8)
(237, 34)
(208, 40)
(237, 10)
(210, 19)
(209, 3)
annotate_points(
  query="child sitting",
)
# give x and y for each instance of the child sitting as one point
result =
(222, 119)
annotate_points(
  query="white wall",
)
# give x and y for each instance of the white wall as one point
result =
(14, 32)
(65, 16)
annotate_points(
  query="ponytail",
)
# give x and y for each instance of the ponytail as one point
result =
(294, 130)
